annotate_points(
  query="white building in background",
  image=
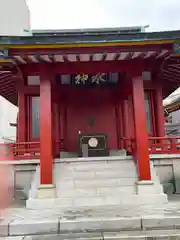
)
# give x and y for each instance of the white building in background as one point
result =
(14, 21)
(14, 17)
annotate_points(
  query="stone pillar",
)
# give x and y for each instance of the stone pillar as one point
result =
(141, 134)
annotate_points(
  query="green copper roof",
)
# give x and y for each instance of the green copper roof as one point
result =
(98, 36)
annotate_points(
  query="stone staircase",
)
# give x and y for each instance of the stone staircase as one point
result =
(95, 182)
(100, 181)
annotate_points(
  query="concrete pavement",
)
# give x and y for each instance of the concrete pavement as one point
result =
(125, 222)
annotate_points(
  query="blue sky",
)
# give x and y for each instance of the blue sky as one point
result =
(63, 14)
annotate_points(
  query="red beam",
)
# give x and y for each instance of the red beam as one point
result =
(89, 67)
(32, 90)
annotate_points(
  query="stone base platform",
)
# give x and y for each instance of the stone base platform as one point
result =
(132, 200)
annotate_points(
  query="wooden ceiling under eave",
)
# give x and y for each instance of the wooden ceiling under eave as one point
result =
(8, 78)
(170, 74)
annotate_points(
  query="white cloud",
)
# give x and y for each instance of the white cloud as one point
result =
(58, 14)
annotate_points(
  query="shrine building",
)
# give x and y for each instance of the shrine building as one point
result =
(88, 95)
(172, 117)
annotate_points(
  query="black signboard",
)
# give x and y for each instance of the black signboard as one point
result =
(80, 80)
(86, 79)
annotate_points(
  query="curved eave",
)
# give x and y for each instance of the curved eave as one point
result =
(173, 108)
(80, 44)
(85, 38)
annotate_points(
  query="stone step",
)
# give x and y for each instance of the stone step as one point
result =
(102, 191)
(111, 200)
(104, 173)
(144, 235)
(99, 191)
(132, 235)
(96, 183)
(114, 228)
(93, 166)
(22, 238)
(88, 184)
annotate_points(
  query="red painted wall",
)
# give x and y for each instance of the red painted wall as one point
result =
(83, 105)
(76, 106)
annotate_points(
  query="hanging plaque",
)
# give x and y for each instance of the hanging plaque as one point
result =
(82, 79)
(99, 79)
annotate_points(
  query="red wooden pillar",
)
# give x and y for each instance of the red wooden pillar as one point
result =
(125, 121)
(63, 129)
(56, 126)
(160, 121)
(46, 149)
(119, 120)
(21, 135)
(141, 133)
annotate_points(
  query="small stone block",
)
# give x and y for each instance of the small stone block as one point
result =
(46, 191)
(90, 225)
(13, 238)
(4, 228)
(143, 235)
(33, 226)
(124, 235)
(146, 183)
(161, 222)
(69, 236)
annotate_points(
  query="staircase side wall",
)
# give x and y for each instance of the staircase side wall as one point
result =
(168, 170)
